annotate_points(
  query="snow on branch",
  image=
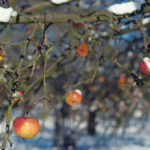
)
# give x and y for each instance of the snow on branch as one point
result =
(59, 1)
(6, 13)
(126, 8)
(146, 20)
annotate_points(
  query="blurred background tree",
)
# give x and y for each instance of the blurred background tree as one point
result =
(40, 58)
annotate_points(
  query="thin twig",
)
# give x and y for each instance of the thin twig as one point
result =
(3, 2)
(44, 29)
(31, 107)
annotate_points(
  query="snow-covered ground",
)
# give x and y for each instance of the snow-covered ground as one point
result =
(136, 137)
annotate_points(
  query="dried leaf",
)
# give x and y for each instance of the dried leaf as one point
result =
(82, 49)
(28, 30)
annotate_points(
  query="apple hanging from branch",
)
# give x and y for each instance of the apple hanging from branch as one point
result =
(73, 97)
(144, 66)
(26, 127)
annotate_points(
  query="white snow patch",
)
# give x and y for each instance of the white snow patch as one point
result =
(104, 33)
(59, 1)
(146, 20)
(123, 27)
(89, 39)
(29, 57)
(137, 114)
(14, 14)
(82, 125)
(126, 8)
(15, 94)
(6, 65)
(135, 147)
(79, 92)
(131, 26)
(147, 62)
(83, 5)
(131, 130)
(6, 13)
(94, 33)
(93, 108)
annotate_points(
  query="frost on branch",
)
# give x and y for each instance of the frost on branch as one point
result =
(126, 8)
(6, 13)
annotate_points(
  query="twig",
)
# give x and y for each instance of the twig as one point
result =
(89, 32)
(6, 70)
(3, 2)
(90, 80)
(8, 119)
(9, 142)
(44, 29)
(31, 107)
(31, 39)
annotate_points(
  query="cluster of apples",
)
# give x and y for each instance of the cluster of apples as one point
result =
(26, 127)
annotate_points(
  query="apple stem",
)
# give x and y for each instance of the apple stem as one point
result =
(148, 50)
(27, 115)
(85, 39)
(148, 55)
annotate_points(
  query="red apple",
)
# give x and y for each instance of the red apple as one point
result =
(1, 56)
(144, 66)
(26, 127)
(77, 25)
(73, 97)
(122, 79)
(16, 94)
